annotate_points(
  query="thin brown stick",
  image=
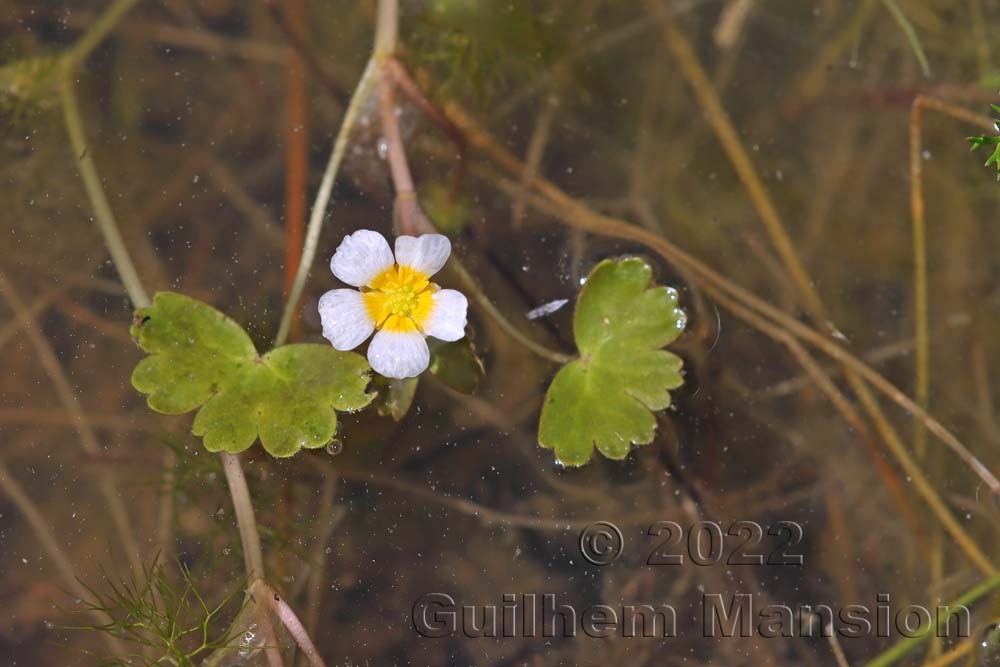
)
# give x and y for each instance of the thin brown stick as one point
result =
(563, 207)
(296, 159)
(331, 514)
(87, 437)
(40, 527)
(738, 157)
(293, 33)
(709, 101)
(921, 384)
(854, 419)
(408, 86)
(165, 516)
(533, 158)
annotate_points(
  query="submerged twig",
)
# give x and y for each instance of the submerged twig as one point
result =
(919, 230)
(55, 553)
(88, 438)
(563, 207)
(288, 618)
(904, 646)
(296, 157)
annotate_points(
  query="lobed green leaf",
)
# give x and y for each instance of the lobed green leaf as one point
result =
(606, 398)
(287, 398)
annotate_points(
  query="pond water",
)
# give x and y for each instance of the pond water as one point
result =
(815, 487)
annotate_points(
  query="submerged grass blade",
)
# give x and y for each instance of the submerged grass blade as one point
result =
(911, 35)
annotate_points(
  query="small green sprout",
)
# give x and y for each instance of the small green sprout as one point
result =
(983, 140)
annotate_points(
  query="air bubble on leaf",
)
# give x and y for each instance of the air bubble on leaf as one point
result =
(334, 447)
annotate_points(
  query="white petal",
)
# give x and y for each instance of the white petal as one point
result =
(346, 322)
(360, 257)
(398, 354)
(426, 253)
(447, 318)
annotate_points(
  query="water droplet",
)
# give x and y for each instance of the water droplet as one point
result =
(383, 148)
(334, 447)
(989, 646)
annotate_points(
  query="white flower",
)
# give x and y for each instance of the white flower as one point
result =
(396, 297)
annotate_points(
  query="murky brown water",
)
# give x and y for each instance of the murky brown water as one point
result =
(774, 145)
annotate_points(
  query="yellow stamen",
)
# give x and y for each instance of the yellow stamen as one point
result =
(400, 299)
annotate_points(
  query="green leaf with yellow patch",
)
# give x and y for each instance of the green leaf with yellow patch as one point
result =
(200, 358)
(607, 397)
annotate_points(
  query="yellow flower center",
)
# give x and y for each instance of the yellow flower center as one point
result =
(400, 299)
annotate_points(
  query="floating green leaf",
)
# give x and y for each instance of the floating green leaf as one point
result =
(201, 358)
(605, 397)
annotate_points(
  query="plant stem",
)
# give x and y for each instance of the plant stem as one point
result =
(253, 557)
(364, 88)
(88, 438)
(296, 156)
(727, 136)
(919, 229)
(407, 212)
(550, 199)
(386, 30)
(95, 192)
(487, 305)
(901, 648)
(58, 557)
(96, 33)
(249, 536)
(290, 621)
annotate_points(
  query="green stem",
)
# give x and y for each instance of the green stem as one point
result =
(96, 33)
(911, 35)
(901, 648)
(364, 88)
(95, 192)
(253, 556)
(386, 32)
(484, 302)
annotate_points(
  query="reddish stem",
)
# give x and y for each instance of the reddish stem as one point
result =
(291, 621)
(407, 214)
(296, 156)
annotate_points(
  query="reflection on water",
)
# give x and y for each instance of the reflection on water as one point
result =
(778, 164)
